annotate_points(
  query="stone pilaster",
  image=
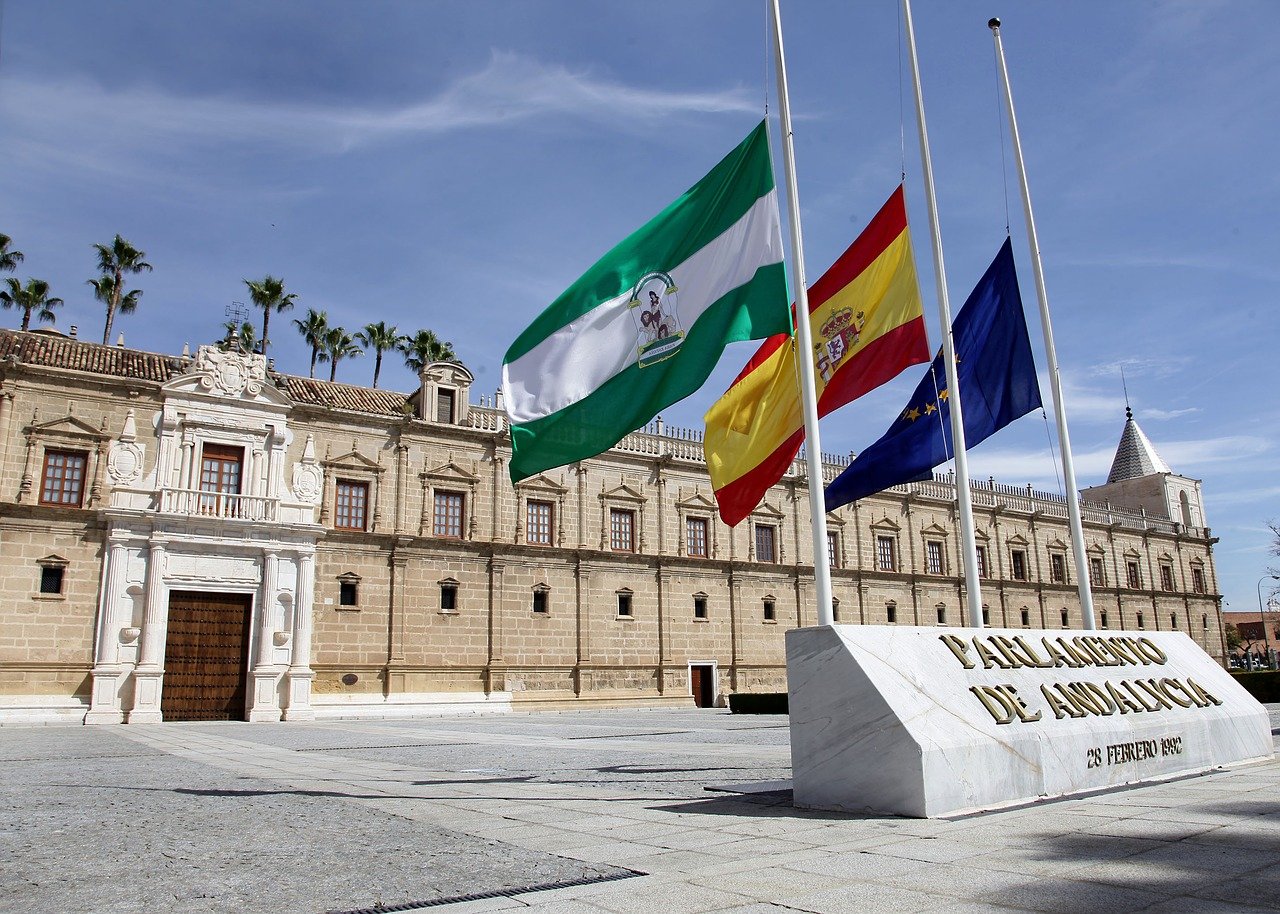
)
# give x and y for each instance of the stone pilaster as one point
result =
(148, 678)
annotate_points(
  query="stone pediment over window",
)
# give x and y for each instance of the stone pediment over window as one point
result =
(450, 472)
(1132, 553)
(1057, 544)
(936, 531)
(623, 493)
(981, 535)
(353, 460)
(1017, 540)
(68, 427)
(542, 485)
(1096, 550)
(228, 375)
(1164, 557)
(696, 502)
(885, 525)
(767, 513)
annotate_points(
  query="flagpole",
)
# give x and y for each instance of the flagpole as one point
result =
(808, 390)
(968, 548)
(1055, 377)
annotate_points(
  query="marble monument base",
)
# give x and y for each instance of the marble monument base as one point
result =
(937, 721)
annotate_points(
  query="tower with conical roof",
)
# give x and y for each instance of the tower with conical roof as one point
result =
(1141, 480)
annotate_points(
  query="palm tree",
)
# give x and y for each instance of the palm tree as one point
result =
(423, 348)
(115, 260)
(242, 334)
(269, 295)
(34, 299)
(378, 337)
(338, 345)
(104, 290)
(9, 259)
(313, 327)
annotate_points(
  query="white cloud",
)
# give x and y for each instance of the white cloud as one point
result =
(1161, 414)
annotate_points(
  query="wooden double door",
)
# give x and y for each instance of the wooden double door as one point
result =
(206, 661)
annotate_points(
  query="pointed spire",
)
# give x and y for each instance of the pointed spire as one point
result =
(1135, 456)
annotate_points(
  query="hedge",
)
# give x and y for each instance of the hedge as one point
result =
(1263, 685)
(758, 703)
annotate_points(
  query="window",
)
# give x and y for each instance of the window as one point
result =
(541, 600)
(942, 614)
(444, 405)
(891, 612)
(538, 515)
(1066, 620)
(835, 610)
(1204, 622)
(1141, 624)
(622, 530)
(986, 614)
(349, 590)
(885, 558)
(220, 467)
(351, 502)
(1104, 618)
(1197, 580)
(1095, 571)
(624, 604)
(1135, 574)
(833, 550)
(1173, 621)
(448, 515)
(1057, 568)
(1166, 577)
(933, 557)
(982, 561)
(63, 480)
(700, 607)
(770, 611)
(448, 597)
(51, 579)
(1018, 559)
(1026, 617)
(696, 536)
(766, 546)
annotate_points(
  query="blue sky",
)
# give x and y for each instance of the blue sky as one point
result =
(457, 165)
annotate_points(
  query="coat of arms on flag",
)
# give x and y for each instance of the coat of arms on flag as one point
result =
(655, 305)
(839, 335)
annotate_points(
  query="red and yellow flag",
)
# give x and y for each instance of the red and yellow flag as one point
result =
(868, 325)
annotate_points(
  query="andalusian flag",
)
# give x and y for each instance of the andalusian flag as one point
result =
(867, 325)
(645, 326)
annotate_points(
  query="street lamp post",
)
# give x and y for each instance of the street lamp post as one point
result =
(1262, 616)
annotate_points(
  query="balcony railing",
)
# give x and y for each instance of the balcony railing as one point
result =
(195, 503)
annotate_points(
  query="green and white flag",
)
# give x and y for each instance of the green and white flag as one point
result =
(644, 327)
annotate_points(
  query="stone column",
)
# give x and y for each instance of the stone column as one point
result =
(264, 702)
(26, 482)
(149, 675)
(495, 669)
(300, 673)
(188, 477)
(108, 671)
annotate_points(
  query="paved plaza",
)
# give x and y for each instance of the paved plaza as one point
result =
(577, 813)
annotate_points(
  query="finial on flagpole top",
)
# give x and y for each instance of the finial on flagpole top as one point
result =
(993, 23)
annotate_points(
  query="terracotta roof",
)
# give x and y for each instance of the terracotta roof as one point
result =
(63, 352)
(1135, 456)
(78, 355)
(341, 396)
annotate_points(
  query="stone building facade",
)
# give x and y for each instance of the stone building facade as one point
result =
(202, 537)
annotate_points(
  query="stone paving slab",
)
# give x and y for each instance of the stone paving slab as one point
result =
(339, 815)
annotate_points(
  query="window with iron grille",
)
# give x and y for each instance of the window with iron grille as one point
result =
(885, 558)
(833, 548)
(1135, 575)
(1096, 571)
(448, 515)
(1197, 580)
(51, 578)
(1057, 567)
(538, 518)
(1166, 577)
(351, 502)
(622, 530)
(982, 561)
(696, 536)
(933, 557)
(766, 543)
(444, 405)
(63, 479)
(1018, 562)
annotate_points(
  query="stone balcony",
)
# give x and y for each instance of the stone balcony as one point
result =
(222, 505)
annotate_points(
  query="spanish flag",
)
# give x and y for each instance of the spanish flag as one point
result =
(868, 325)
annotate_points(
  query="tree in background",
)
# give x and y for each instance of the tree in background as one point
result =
(423, 348)
(114, 261)
(313, 328)
(104, 290)
(268, 294)
(380, 338)
(241, 334)
(9, 258)
(33, 299)
(338, 345)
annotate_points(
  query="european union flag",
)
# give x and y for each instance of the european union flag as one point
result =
(997, 379)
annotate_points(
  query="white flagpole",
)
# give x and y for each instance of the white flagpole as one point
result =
(968, 548)
(808, 390)
(1055, 377)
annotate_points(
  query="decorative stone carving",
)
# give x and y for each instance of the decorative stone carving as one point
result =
(124, 463)
(230, 374)
(308, 477)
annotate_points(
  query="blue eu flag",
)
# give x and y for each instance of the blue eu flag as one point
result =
(997, 383)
